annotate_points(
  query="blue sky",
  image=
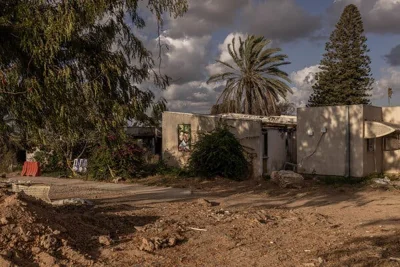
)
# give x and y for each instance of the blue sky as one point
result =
(299, 27)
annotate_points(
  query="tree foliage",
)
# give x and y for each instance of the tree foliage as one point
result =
(68, 68)
(345, 77)
(219, 153)
(124, 159)
(254, 82)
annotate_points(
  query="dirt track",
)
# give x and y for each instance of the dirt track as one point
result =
(246, 224)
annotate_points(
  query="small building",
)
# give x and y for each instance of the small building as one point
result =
(356, 140)
(270, 140)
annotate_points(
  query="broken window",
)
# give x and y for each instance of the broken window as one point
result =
(371, 145)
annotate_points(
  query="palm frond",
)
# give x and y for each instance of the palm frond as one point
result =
(255, 83)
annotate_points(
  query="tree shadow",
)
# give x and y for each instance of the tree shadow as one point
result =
(79, 230)
(380, 250)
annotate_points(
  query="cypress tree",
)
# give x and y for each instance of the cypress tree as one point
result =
(345, 77)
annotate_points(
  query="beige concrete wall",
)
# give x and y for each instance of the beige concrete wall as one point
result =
(276, 150)
(326, 154)
(248, 133)
(391, 159)
(356, 113)
(170, 121)
(373, 159)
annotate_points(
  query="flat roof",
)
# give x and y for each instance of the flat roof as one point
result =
(269, 120)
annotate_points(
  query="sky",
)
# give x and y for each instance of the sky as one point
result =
(299, 27)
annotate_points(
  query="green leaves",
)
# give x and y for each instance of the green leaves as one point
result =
(73, 68)
(219, 153)
(345, 77)
(253, 82)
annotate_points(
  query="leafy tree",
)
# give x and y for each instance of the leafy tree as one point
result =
(69, 68)
(345, 77)
(254, 82)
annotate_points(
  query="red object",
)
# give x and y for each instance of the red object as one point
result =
(24, 168)
(31, 169)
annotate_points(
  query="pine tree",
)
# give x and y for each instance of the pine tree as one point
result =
(345, 77)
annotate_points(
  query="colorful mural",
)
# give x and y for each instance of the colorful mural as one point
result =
(184, 137)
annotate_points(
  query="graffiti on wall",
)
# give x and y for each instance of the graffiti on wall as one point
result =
(184, 137)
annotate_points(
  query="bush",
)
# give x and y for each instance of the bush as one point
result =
(124, 160)
(129, 160)
(161, 168)
(219, 153)
(49, 161)
(7, 158)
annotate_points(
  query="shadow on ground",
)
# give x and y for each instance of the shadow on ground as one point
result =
(376, 250)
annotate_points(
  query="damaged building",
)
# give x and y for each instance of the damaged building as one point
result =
(271, 141)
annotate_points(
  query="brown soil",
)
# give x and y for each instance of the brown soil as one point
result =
(230, 224)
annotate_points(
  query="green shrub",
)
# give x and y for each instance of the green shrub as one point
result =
(129, 160)
(100, 162)
(7, 157)
(161, 168)
(219, 154)
(49, 161)
(124, 160)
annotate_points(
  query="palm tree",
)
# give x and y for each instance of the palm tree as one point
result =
(254, 82)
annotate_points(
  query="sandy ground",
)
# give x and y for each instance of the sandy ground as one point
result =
(240, 224)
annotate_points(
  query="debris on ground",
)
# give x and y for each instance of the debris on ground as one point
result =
(105, 240)
(157, 243)
(287, 179)
(386, 183)
(72, 201)
(118, 180)
(382, 181)
(3, 175)
(206, 203)
(318, 226)
(34, 233)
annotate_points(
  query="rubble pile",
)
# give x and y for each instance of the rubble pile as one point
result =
(34, 233)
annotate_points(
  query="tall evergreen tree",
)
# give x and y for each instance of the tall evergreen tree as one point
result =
(345, 77)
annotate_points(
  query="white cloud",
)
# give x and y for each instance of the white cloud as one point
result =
(302, 80)
(205, 16)
(282, 20)
(224, 55)
(195, 96)
(276, 19)
(390, 79)
(385, 5)
(186, 58)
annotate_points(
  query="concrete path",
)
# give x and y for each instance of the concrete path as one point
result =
(109, 193)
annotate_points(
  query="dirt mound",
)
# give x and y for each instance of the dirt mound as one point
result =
(35, 233)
